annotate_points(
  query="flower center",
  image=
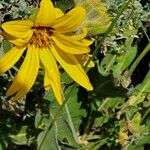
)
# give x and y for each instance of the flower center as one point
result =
(41, 36)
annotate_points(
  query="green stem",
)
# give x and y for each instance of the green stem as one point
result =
(86, 128)
(144, 30)
(124, 7)
(137, 61)
(145, 114)
(147, 48)
(103, 104)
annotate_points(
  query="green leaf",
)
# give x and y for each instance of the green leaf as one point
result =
(104, 86)
(145, 85)
(21, 137)
(133, 147)
(123, 61)
(134, 126)
(140, 91)
(50, 142)
(139, 143)
(117, 63)
(113, 102)
(106, 64)
(42, 120)
(65, 79)
(74, 106)
(63, 128)
(6, 45)
(1, 147)
(143, 140)
(98, 144)
(129, 57)
(101, 120)
(64, 5)
(33, 12)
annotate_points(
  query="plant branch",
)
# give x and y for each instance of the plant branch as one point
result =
(123, 8)
(137, 61)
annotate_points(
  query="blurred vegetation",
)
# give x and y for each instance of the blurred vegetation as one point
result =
(116, 114)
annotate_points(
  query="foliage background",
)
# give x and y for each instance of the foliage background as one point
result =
(115, 115)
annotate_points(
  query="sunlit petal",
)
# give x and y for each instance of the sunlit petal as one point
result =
(19, 29)
(87, 42)
(58, 12)
(70, 21)
(76, 39)
(47, 82)
(10, 58)
(21, 76)
(80, 34)
(83, 59)
(69, 39)
(69, 47)
(51, 73)
(72, 67)
(21, 42)
(46, 14)
(26, 75)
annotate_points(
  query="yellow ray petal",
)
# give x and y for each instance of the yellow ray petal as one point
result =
(71, 40)
(21, 76)
(19, 29)
(77, 38)
(58, 12)
(81, 35)
(83, 60)
(70, 47)
(51, 73)
(72, 67)
(87, 42)
(70, 21)
(21, 42)
(47, 82)
(46, 14)
(26, 76)
(10, 58)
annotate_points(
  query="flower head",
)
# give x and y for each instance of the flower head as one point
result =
(49, 39)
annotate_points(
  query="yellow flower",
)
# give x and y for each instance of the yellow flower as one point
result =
(49, 39)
